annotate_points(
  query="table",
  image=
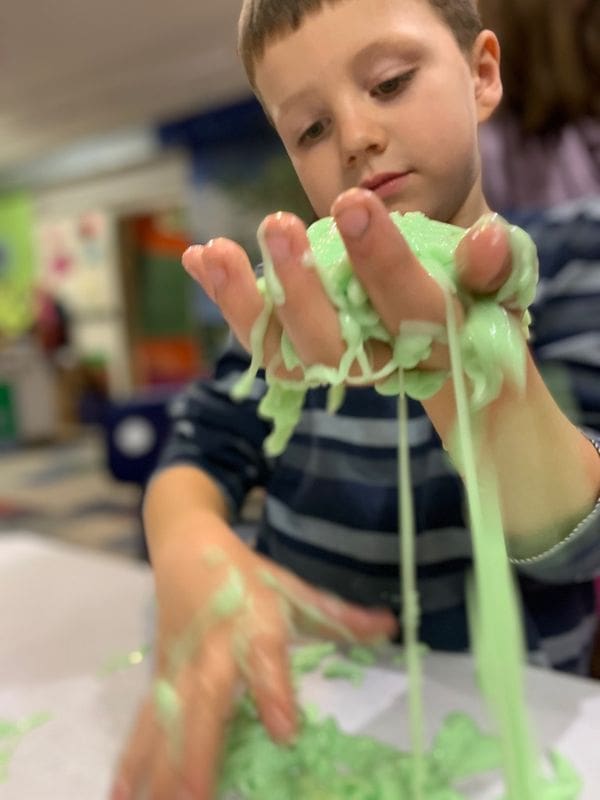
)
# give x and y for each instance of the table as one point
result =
(67, 612)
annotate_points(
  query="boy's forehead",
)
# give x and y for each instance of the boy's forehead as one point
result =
(348, 33)
(337, 22)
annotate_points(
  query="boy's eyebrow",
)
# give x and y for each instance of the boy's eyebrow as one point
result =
(404, 45)
(294, 99)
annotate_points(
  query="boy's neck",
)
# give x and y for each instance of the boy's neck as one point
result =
(473, 208)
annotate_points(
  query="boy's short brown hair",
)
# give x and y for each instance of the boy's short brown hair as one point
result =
(263, 20)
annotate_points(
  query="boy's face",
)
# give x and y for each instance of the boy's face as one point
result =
(377, 93)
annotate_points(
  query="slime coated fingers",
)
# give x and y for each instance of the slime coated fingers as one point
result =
(491, 338)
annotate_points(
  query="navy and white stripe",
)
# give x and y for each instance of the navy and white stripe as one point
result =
(331, 500)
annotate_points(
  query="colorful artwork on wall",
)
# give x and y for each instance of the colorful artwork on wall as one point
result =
(16, 264)
(78, 262)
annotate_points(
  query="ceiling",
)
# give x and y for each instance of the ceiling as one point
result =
(72, 68)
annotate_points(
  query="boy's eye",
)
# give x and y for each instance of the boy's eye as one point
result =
(392, 86)
(316, 130)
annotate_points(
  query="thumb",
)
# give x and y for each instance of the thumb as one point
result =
(483, 256)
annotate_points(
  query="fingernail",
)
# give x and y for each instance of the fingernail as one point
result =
(485, 223)
(354, 221)
(186, 258)
(279, 246)
(486, 219)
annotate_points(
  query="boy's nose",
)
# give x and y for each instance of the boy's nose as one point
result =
(360, 137)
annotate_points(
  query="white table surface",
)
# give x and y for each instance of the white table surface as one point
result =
(66, 612)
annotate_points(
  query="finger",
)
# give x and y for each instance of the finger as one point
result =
(483, 257)
(135, 760)
(164, 781)
(398, 285)
(333, 616)
(269, 676)
(339, 617)
(307, 314)
(209, 684)
(223, 270)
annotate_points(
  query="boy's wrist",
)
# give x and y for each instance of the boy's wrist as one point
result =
(188, 530)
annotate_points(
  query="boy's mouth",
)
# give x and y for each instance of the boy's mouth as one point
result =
(385, 184)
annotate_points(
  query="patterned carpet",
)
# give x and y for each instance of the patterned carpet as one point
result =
(65, 491)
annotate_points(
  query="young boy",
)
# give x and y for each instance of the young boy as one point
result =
(378, 104)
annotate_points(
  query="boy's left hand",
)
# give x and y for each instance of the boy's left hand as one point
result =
(398, 286)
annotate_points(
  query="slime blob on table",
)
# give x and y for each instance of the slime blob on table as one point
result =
(325, 763)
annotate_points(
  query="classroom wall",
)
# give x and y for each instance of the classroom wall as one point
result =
(79, 256)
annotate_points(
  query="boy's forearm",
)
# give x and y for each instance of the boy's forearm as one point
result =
(548, 472)
(180, 496)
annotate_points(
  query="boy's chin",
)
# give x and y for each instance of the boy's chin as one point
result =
(404, 207)
(414, 201)
(449, 212)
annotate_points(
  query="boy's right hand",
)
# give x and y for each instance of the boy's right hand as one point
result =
(249, 644)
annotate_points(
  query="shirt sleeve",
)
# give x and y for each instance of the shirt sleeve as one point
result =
(566, 345)
(220, 436)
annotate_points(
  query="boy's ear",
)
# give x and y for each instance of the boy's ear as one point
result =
(486, 74)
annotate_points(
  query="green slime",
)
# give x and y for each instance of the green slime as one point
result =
(494, 615)
(11, 734)
(308, 658)
(491, 337)
(344, 669)
(362, 656)
(410, 598)
(125, 660)
(226, 602)
(325, 763)
(489, 349)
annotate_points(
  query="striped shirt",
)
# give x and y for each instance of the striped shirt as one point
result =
(331, 513)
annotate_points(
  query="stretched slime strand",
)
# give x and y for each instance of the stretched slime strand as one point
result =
(410, 597)
(495, 611)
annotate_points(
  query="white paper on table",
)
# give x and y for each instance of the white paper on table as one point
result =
(580, 743)
(353, 706)
(72, 755)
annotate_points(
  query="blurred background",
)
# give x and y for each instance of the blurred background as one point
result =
(127, 131)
